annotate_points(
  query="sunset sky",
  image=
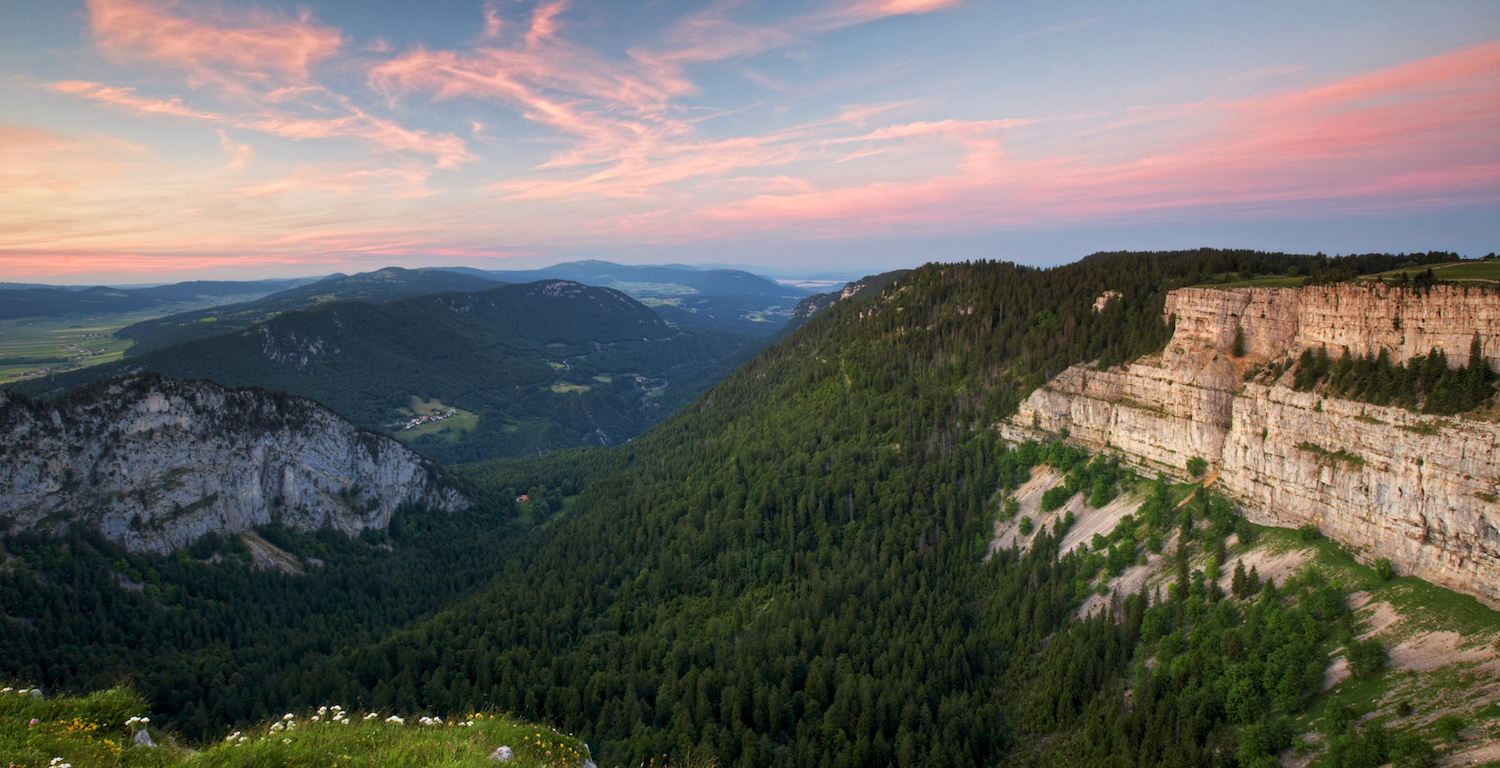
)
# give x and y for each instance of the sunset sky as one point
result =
(152, 140)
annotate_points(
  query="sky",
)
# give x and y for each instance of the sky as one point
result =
(161, 140)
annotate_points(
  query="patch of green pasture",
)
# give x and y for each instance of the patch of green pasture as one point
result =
(1453, 270)
(28, 345)
(1424, 607)
(654, 289)
(652, 301)
(447, 428)
(1223, 280)
(561, 387)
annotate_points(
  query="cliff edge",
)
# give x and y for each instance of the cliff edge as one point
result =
(1421, 490)
(155, 463)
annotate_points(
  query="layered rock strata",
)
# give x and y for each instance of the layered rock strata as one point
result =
(1419, 490)
(155, 464)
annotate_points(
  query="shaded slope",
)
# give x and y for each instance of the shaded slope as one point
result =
(382, 285)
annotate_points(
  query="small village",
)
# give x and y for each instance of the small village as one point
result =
(428, 418)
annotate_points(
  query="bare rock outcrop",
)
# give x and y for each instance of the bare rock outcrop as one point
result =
(1386, 482)
(154, 464)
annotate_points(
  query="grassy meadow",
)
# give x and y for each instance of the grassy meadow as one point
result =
(97, 731)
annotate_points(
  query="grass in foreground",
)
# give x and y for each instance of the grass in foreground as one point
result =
(96, 731)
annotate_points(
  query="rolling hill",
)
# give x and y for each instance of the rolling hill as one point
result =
(380, 285)
(26, 300)
(712, 299)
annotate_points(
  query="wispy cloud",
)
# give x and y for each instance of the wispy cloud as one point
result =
(125, 97)
(213, 42)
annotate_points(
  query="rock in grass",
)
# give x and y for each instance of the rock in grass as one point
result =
(142, 739)
(502, 755)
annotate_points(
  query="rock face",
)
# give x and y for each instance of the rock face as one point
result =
(154, 464)
(1419, 490)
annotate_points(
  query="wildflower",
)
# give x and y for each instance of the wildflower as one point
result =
(288, 716)
(34, 721)
(322, 710)
(286, 741)
(372, 715)
(394, 719)
(315, 718)
(275, 726)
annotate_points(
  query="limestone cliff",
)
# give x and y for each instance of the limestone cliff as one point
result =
(1420, 490)
(155, 463)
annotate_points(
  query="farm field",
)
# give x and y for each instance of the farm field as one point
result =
(30, 344)
(1488, 271)
(448, 429)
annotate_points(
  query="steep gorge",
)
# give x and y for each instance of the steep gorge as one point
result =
(1420, 490)
(154, 464)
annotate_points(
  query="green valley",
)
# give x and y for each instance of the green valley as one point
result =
(831, 557)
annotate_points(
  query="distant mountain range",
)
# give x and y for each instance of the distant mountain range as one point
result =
(545, 365)
(30, 300)
(689, 297)
(692, 299)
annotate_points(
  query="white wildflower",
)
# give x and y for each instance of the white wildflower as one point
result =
(288, 716)
(322, 710)
(372, 715)
(315, 718)
(394, 719)
(275, 726)
(286, 741)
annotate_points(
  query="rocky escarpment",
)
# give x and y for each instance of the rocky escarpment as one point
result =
(154, 463)
(1419, 490)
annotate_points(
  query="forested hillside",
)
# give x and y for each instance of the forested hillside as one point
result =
(791, 571)
(372, 287)
(542, 366)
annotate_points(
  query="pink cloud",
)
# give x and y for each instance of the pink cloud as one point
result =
(212, 41)
(848, 13)
(448, 151)
(125, 97)
(1396, 137)
(42, 164)
(239, 154)
(400, 183)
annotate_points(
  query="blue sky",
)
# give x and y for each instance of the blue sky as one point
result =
(151, 139)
